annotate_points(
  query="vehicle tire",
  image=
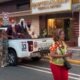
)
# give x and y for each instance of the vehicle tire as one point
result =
(12, 58)
(36, 58)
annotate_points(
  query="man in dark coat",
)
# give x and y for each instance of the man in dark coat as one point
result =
(21, 30)
(11, 31)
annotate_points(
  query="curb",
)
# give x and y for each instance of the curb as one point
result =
(73, 61)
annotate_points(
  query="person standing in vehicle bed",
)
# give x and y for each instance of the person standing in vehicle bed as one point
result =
(21, 30)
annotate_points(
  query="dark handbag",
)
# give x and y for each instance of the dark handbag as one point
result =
(67, 65)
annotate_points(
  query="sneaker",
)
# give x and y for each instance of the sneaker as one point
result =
(2, 66)
(6, 64)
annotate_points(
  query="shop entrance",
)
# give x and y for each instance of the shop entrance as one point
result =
(52, 24)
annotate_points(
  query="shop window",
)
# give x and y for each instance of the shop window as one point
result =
(67, 29)
(53, 24)
(23, 5)
(75, 1)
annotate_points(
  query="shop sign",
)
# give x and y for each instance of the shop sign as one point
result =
(76, 7)
(5, 18)
(43, 6)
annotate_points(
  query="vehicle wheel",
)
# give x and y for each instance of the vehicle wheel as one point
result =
(12, 58)
(36, 58)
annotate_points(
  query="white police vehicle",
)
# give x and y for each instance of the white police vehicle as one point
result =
(33, 49)
(28, 48)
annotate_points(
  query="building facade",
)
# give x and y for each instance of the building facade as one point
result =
(45, 16)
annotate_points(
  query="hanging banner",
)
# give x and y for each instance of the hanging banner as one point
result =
(43, 6)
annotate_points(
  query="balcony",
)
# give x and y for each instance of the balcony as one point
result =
(19, 13)
(75, 1)
(2, 1)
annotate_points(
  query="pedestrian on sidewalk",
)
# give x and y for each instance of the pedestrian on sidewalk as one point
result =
(56, 58)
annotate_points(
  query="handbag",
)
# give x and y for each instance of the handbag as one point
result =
(67, 65)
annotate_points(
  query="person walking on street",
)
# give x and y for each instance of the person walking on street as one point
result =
(56, 58)
(3, 49)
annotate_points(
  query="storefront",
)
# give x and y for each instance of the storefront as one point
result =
(54, 14)
(59, 20)
(76, 9)
(47, 15)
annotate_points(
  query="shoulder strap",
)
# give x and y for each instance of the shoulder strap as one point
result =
(61, 51)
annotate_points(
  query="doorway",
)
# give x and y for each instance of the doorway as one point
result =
(54, 23)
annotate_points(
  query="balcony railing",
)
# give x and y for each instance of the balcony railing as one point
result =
(19, 13)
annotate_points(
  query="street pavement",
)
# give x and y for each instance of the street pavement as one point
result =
(29, 70)
(75, 53)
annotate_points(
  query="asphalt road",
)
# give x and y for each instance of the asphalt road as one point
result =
(29, 70)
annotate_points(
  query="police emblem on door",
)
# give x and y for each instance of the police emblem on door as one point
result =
(24, 46)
